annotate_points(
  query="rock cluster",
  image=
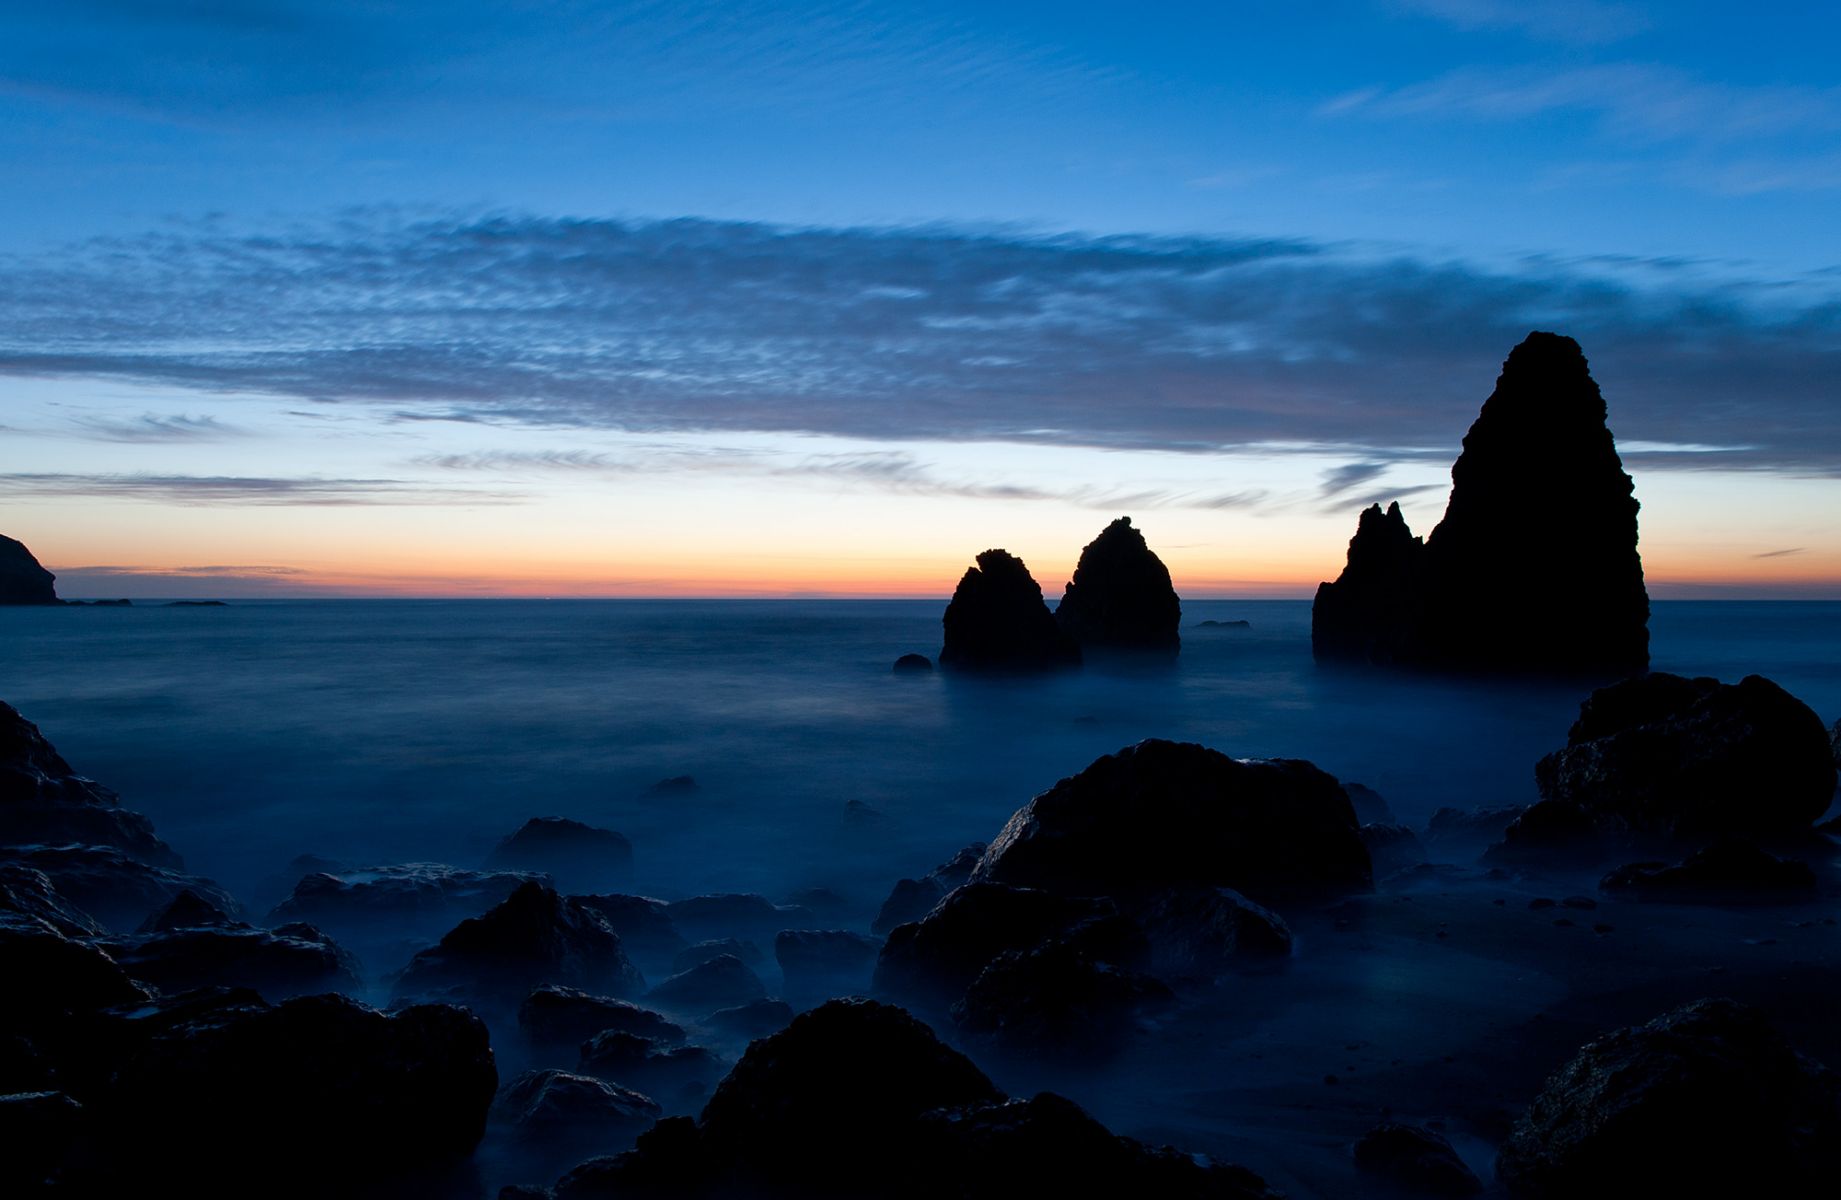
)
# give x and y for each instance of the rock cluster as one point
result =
(1534, 568)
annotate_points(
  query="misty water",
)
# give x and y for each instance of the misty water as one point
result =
(380, 732)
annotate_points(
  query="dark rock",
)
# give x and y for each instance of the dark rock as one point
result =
(116, 889)
(1392, 848)
(44, 974)
(912, 899)
(702, 952)
(819, 901)
(1663, 756)
(1121, 597)
(1224, 624)
(997, 621)
(278, 886)
(1371, 614)
(535, 937)
(645, 926)
(1161, 813)
(1371, 808)
(1055, 999)
(722, 982)
(22, 579)
(1196, 932)
(293, 960)
(553, 1017)
(42, 802)
(937, 958)
(1726, 872)
(188, 910)
(195, 604)
(555, 1106)
(743, 915)
(1538, 483)
(1707, 1100)
(755, 1019)
(676, 785)
(831, 960)
(667, 1072)
(913, 664)
(43, 1133)
(1470, 827)
(1415, 1158)
(368, 1093)
(861, 817)
(410, 899)
(30, 893)
(574, 853)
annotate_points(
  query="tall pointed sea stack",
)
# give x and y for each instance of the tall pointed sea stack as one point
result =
(22, 580)
(998, 622)
(1534, 568)
(1121, 597)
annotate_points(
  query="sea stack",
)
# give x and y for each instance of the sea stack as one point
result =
(1121, 598)
(22, 579)
(997, 621)
(1534, 569)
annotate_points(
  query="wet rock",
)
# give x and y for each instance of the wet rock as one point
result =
(755, 1019)
(1055, 999)
(409, 899)
(557, 1106)
(1121, 598)
(667, 1072)
(276, 887)
(913, 664)
(30, 893)
(292, 960)
(734, 914)
(369, 1093)
(1161, 813)
(702, 952)
(1202, 932)
(825, 959)
(1417, 1159)
(1706, 1100)
(1726, 872)
(1392, 848)
(1371, 614)
(1666, 757)
(188, 910)
(912, 899)
(936, 959)
(997, 622)
(535, 937)
(22, 579)
(553, 1017)
(44, 974)
(645, 926)
(576, 855)
(43, 802)
(115, 888)
(722, 982)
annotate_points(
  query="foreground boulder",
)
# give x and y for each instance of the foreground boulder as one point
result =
(1663, 757)
(1707, 1100)
(1121, 598)
(998, 622)
(535, 937)
(43, 802)
(22, 579)
(1162, 813)
(577, 855)
(115, 888)
(1724, 873)
(1538, 484)
(858, 1098)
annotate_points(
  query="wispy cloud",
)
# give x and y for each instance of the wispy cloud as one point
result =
(155, 427)
(1577, 22)
(936, 333)
(229, 489)
(1340, 479)
(1782, 553)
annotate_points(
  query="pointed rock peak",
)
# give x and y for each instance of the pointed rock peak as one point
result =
(998, 621)
(1121, 597)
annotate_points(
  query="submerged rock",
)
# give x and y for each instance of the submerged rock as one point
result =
(115, 888)
(553, 1016)
(43, 802)
(1121, 597)
(568, 850)
(22, 579)
(1707, 1100)
(1415, 1158)
(1162, 813)
(1534, 568)
(913, 664)
(1724, 873)
(997, 621)
(535, 937)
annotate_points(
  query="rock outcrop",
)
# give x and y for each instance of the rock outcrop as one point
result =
(116, 889)
(1534, 568)
(1707, 1100)
(1728, 872)
(43, 802)
(22, 579)
(997, 621)
(1121, 598)
(577, 855)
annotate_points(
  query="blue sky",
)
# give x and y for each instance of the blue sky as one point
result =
(1261, 259)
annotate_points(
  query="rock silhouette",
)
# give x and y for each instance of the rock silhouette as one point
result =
(1121, 598)
(997, 621)
(22, 580)
(1534, 568)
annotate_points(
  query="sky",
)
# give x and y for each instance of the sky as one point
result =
(621, 299)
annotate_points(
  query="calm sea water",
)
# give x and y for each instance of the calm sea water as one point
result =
(388, 731)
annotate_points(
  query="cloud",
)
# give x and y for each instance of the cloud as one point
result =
(1340, 479)
(1782, 553)
(230, 489)
(154, 427)
(1578, 22)
(935, 333)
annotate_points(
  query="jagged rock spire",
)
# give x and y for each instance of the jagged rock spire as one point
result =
(1121, 597)
(997, 621)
